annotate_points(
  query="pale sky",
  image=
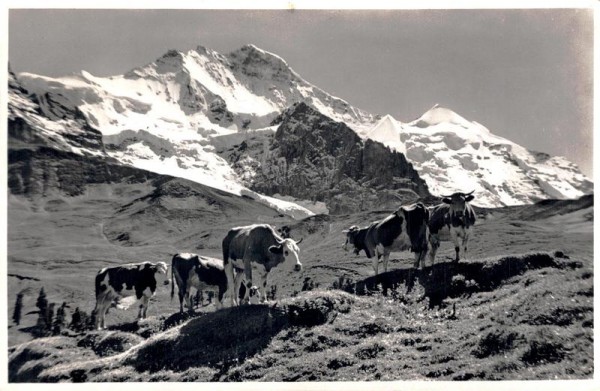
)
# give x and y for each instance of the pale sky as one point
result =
(526, 75)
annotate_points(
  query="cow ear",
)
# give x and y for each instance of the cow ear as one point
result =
(276, 249)
(447, 200)
(469, 198)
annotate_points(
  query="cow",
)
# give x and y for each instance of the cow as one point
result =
(405, 229)
(452, 219)
(356, 237)
(115, 283)
(260, 246)
(285, 232)
(201, 273)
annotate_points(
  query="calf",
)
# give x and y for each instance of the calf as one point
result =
(114, 283)
(201, 273)
(453, 218)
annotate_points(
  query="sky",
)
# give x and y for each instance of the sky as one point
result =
(527, 75)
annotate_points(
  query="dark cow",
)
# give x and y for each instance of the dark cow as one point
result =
(357, 237)
(405, 229)
(259, 246)
(452, 219)
(201, 273)
(285, 232)
(115, 283)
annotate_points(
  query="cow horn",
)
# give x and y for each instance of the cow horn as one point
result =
(470, 193)
(300, 241)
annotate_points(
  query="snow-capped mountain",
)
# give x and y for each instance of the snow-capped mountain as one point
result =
(187, 112)
(453, 154)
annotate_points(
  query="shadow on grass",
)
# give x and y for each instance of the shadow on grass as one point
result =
(231, 335)
(450, 279)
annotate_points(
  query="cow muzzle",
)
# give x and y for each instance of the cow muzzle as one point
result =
(166, 282)
(298, 267)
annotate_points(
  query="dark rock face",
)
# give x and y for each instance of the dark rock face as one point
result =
(38, 172)
(313, 157)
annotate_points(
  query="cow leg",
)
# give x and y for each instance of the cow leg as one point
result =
(466, 242)
(262, 288)
(188, 301)
(143, 302)
(103, 304)
(180, 301)
(99, 311)
(386, 258)
(434, 245)
(239, 278)
(248, 275)
(103, 311)
(376, 263)
(230, 293)
(219, 298)
(418, 257)
(455, 240)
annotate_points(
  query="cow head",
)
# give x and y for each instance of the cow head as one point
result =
(285, 232)
(160, 275)
(288, 249)
(458, 203)
(417, 220)
(350, 236)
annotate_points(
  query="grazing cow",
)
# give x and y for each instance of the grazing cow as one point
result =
(115, 283)
(405, 229)
(357, 237)
(452, 219)
(201, 273)
(255, 245)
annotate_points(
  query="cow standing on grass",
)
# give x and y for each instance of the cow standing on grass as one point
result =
(405, 229)
(115, 283)
(452, 219)
(356, 237)
(195, 271)
(259, 246)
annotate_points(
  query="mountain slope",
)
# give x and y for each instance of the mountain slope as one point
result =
(49, 120)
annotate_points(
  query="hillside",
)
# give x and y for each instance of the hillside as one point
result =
(520, 306)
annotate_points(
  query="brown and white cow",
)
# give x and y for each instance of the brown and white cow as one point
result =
(116, 283)
(405, 229)
(202, 273)
(256, 246)
(453, 220)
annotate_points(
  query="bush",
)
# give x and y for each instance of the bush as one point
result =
(495, 342)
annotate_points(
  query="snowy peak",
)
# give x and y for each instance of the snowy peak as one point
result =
(438, 115)
(388, 132)
(454, 154)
